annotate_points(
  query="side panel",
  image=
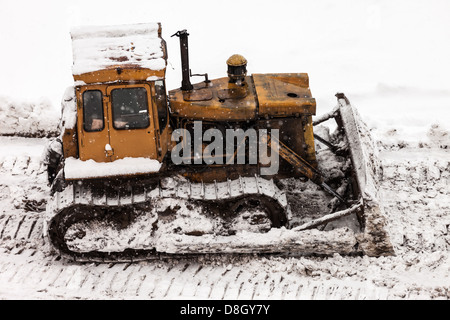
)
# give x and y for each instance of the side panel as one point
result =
(309, 141)
(119, 74)
(284, 94)
(217, 100)
(69, 140)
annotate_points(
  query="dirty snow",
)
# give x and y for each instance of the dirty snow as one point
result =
(28, 119)
(21, 157)
(97, 48)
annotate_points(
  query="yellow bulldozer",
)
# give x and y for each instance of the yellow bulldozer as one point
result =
(234, 165)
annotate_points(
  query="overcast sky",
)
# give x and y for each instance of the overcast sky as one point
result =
(354, 46)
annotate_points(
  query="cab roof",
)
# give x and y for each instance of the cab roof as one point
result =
(135, 46)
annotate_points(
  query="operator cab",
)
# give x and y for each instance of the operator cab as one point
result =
(122, 109)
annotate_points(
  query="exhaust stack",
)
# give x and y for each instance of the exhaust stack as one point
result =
(186, 82)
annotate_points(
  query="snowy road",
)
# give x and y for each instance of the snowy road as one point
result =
(414, 192)
(39, 277)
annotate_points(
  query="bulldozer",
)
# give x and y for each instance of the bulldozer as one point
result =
(234, 165)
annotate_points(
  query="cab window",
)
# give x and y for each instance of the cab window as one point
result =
(161, 103)
(93, 119)
(130, 108)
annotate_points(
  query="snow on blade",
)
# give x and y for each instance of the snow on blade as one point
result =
(78, 169)
(97, 48)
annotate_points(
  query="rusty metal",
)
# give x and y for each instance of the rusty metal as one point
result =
(284, 94)
(186, 73)
(232, 93)
(203, 94)
(130, 73)
(302, 166)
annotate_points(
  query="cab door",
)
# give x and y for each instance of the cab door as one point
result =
(131, 124)
(92, 123)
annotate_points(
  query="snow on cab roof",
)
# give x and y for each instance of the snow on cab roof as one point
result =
(105, 47)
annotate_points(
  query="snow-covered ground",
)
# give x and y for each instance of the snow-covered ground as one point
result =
(414, 194)
(27, 119)
(391, 60)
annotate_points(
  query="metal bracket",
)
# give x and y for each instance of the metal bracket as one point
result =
(200, 75)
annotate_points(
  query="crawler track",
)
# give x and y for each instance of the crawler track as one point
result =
(82, 202)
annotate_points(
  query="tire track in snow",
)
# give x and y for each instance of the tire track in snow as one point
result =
(36, 270)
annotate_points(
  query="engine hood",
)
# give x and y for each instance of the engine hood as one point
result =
(259, 96)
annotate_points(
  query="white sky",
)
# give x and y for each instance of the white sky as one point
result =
(352, 46)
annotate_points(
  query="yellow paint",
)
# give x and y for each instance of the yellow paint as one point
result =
(119, 73)
(145, 142)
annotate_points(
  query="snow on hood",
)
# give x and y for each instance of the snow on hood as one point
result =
(97, 48)
(78, 169)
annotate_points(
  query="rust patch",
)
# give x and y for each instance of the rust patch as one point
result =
(119, 59)
(198, 95)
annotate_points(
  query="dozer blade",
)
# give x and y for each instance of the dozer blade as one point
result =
(346, 119)
(374, 241)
